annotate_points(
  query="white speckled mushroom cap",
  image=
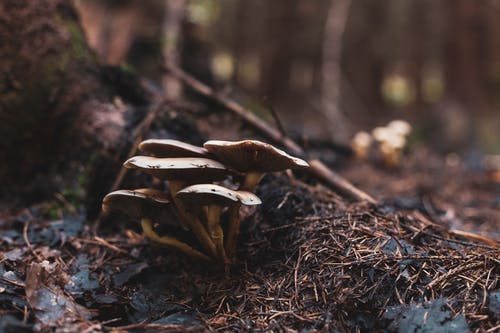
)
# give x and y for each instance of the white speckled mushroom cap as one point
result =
(190, 169)
(207, 194)
(141, 203)
(171, 148)
(253, 155)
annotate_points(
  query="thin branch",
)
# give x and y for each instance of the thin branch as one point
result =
(318, 168)
(234, 107)
(275, 116)
(27, 240)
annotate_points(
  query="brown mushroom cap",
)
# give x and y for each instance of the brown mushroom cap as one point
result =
(253, 155)
(141, 203)
(171, 148)
(210, 194)
(191, 169)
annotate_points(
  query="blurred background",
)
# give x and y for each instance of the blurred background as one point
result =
(328, 68)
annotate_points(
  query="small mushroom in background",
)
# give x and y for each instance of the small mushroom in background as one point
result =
(391, 141)
(400, 127)
(360, 144)
(252, 157)
(180, 172)
(171, 148)
(392, 150)
(148, 205)
(381, 133)
(217, 197)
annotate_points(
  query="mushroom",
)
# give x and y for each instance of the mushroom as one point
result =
(392, 149)
(147, 205)
(391, 142)
(360, 144)
(140, 203)
(180, 172)
(381, 133)
(217, 197)
(252, 157)
(179, 169)
(147, 227)
(400, 127)
(171, 148)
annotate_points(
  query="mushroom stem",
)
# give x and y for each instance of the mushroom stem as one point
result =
(147, 228)
(252, 178)
(191, 220)
(233, 230)
(215, 230)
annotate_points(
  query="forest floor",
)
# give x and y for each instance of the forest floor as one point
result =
(308, 261)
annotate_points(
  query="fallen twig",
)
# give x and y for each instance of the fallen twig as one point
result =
(476, 237)
(27, 241)
(466, 234)
(275, 116)
(318, 168)
(174, 327)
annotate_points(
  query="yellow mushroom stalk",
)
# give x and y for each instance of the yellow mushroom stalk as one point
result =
(217, 197)
(147, 227)
(147, 205)
(179, 172)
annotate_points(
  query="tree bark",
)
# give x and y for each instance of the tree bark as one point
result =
(57, 114)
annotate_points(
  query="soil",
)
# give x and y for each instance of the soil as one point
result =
(308, 261)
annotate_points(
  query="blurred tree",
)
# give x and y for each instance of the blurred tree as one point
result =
(172, 25)
(464, 62)
(332, 69)
(398, 58)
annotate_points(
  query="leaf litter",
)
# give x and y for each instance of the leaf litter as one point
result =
(309, 261)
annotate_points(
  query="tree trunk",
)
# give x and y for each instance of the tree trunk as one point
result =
(57, 114)
(465, 98)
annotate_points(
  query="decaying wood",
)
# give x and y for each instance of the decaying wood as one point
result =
(318, 168)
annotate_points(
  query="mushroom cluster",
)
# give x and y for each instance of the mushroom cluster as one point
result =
(389, 140)
(194, 202)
